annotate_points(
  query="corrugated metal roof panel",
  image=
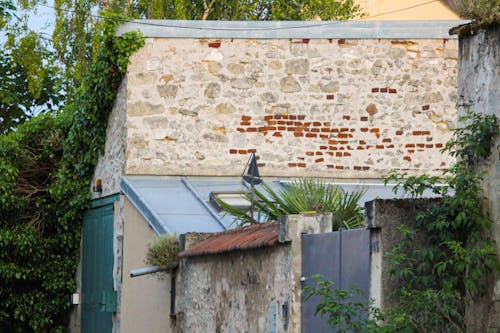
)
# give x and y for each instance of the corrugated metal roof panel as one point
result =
(244, 238)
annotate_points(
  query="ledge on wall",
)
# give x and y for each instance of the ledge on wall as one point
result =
(472, 28)
(292, 29)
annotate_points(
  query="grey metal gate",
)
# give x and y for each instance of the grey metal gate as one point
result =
(342, 257)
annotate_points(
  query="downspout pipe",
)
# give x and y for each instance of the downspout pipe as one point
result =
(150, 270)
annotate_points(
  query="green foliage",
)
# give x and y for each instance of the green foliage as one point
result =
(441, 279)
(301, 197)
(163, 251)
(248, 10)
(480, 10)
(26, 89)
(7, 10)
(45, 171)
(346, 310)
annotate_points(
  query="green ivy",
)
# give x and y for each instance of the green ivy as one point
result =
(45, 170)
(440, 280)
(451, 271)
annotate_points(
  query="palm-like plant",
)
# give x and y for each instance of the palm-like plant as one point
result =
(301, 197)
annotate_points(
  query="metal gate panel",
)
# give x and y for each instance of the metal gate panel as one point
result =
(342, 257)
(98, 295)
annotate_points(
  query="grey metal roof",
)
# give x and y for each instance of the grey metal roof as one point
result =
(293, 29)
(181, 204)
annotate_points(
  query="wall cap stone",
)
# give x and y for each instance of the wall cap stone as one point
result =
(293, 29)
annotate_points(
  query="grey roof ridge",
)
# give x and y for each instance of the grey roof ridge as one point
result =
(138, 201)
(355, 29)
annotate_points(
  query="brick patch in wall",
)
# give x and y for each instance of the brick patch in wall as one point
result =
(385, 90)
(215, 44)
(335, 140)
(403, 42)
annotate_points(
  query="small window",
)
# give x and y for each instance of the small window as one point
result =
(235, 199)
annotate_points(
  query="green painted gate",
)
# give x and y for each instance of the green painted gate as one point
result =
(98, 295)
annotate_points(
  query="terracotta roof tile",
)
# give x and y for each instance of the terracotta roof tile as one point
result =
(244, 238)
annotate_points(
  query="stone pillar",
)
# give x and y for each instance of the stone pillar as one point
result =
(478, 87)
(291, 229)
(384, 216)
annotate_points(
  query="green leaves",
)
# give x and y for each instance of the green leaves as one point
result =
(45, 169)
(163, 251)
(301, 197)
(452, 268)
(248, 10)
(344, 310)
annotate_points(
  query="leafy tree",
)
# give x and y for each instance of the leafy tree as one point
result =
(45, 169)
(480, 10)
(78, 23)
(26, 89)
(266, 10)
(303, 196)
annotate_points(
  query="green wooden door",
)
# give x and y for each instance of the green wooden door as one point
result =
(98, 295)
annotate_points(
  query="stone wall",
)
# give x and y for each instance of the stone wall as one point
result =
(479, 82)
(233, 291)
(352, 108)
(111, 163)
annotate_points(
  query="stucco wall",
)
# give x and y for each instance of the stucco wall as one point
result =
(353, 108)
(479, 82)
(145, 300)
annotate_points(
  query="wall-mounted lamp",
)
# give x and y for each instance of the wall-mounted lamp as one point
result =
(98, 185)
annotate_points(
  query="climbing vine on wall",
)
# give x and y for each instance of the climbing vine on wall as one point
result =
(441, 279)
(45, 171)
(452, 270)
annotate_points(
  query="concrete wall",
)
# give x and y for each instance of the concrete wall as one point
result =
(347, 108)
(384, 217)
(144, 300)
(479, 82)
(232, 291)
(406, 10)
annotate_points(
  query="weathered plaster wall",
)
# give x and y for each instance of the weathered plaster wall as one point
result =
(231, 292)
(145, 300)
(352, 108)
(111, 163)
(384, 217)
(479, 86)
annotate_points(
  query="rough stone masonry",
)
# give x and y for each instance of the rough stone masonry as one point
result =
(342, 108)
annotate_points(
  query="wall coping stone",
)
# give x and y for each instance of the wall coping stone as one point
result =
(293, 29)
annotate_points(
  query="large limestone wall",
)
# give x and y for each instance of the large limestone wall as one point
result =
(321, 107)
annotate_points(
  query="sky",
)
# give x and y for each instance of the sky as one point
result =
(41, 21)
